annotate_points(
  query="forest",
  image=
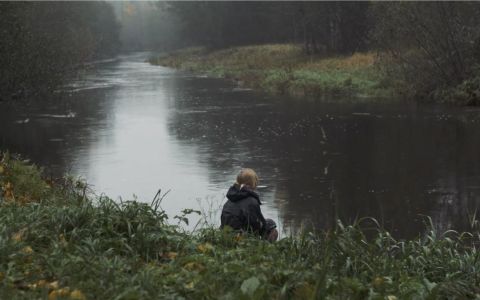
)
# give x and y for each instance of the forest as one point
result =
(423, 50)
(45, 43)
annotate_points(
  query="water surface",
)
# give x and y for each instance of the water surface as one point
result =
(132, 128)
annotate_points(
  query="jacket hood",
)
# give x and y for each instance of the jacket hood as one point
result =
(235, 194)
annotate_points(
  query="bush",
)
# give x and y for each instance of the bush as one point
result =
(466, 93)
(427, 46)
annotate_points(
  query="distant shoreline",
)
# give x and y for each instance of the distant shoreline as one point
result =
(284, 69)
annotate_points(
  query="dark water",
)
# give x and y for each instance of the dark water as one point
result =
(131, 128)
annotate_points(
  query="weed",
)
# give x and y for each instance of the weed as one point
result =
(69, 243)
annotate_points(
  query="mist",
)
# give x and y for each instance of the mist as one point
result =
(239, 150)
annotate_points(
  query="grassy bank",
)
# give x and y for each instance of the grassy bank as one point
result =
(57, 242)
(285, 69)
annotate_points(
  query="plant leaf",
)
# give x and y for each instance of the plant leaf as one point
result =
(250, 285)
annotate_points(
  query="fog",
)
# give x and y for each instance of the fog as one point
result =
(146, 26)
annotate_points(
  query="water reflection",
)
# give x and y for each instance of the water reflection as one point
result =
(324, 161)
(129, 127)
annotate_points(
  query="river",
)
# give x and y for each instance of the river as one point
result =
(130, 128)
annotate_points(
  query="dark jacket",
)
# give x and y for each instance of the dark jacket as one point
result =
(242, 210)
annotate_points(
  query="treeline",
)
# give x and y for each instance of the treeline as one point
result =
(428, 49)
(144, 25)
(43, 43)
(333, 27)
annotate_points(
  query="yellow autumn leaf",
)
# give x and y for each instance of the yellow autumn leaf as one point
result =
(63, 292)
(2, 169)
(8, 186)
(37, 285)
(27, 250)
(62, 240)
(41, 283)
(8, 195)
(53, 285)
(24, 199)
(392, 297)
(17, 236)
(194, 266)
(53, 295)
(378, 281)
(171, 255)
(204, 248)
(77, 295)
(190, 285)
(8, 191)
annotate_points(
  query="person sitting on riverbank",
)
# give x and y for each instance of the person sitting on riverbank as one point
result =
(242, 210)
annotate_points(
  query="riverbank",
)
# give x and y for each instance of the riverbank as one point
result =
(285, 69)
(58, 240)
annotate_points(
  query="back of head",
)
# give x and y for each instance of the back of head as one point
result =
(247, 177)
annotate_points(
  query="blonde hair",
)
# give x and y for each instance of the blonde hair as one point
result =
(247, 177)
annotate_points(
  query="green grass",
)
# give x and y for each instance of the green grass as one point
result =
(285, 69)
(59, 242)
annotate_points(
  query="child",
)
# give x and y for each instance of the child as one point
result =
(242, 210)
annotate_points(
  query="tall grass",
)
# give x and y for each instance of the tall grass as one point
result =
(68, 244)
(285, 69)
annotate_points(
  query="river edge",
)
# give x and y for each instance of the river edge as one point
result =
(60, 241)
(285, 70)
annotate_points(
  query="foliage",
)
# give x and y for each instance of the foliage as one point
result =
(426, 50)
(285, 69)
(429, 46)
(45, 42)
(21, 182)
(322, 27)
(466, 93)
(67, 245)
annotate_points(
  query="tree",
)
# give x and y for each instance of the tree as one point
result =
(428, 45)
(45, 42)
(328, 27)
